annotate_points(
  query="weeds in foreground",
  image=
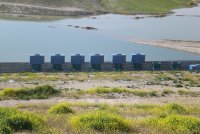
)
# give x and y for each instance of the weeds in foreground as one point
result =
(12, 120)
(104, 118)
(62, 108)
(39, 92)
(176, 124)
(100, 121)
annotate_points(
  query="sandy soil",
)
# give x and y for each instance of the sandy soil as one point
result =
(187, 46)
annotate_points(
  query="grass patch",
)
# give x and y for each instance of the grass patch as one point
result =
(62, 108)
(175, 109)
(167, 92)
(150, 6)
(100, 121)
(39, 92)
(188, 93)
(141, 93)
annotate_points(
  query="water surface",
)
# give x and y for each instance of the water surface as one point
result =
(19, 39)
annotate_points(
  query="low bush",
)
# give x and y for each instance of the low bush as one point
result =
(176, 124)
(167, 92)
(100, 121)
(174, 109)
(39, 92)
(12, 120)
(62, 108)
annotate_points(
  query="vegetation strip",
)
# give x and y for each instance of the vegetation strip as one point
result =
(101, 118)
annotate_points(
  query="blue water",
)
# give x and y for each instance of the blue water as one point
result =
(19, 39)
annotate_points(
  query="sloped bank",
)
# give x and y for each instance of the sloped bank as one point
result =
(24, 9)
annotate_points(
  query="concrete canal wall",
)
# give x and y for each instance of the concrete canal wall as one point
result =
(18, 67)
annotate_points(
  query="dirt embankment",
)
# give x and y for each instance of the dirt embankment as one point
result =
(26, 9)
(187, 46)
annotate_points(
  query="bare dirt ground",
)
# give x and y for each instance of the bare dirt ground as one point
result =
(187, 46)
(83, 85)
(103, 83)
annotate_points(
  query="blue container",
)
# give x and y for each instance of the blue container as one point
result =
(119, 59)
(138, 58)
(77, 59)
(97, 59)
(195, 67)
(36, 59)
(57, 59)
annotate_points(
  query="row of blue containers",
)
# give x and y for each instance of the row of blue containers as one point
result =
(77, 59)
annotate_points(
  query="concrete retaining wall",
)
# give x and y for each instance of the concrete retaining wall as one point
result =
(18, 67)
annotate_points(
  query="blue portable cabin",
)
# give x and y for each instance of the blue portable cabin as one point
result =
(137, 61)
(77, 60)
(118, 61)
(36, 62)
(96, 61)
(57, 61)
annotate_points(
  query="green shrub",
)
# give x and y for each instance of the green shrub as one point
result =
(183, 92)
(100, 121)
(4, 129)
(179, 85)
(62, 108)
(175, 109)
(153, 93)
(12, 120)
(8, 92)
(140, 93)
(167, 92)
(176, 124)
(188, 93)
(40, 92)
(103, 90)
